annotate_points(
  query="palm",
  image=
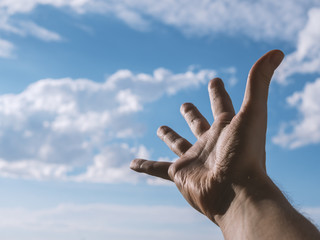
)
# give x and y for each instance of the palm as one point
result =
(229, 151)
(201, 171)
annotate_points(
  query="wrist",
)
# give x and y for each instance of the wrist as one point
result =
(259, 209)
(253, 198)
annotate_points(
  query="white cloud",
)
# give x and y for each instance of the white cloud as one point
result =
(6, 49)
(117, 222)
(103, 221)
(257, 19)
(12, 25)
(111, 165)
(230, 74)
(260, 20)
(25, 6)
(76, 129)
(39, 32)
(128, 102)
(306, 58)
(129, 16)
(30, 169)
(306, 130)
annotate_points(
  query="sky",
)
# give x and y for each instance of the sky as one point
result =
(84, 85)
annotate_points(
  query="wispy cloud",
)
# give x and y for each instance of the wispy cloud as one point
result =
(103, 221)
(77, 129)
(260, 20)
(306, 58)
(6, 49)
(305, 130)
(39, 32)
(118, 222)
(263, 20)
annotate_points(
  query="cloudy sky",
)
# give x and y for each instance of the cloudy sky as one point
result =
(86, 83)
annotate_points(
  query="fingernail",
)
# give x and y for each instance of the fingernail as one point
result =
(276, 58)
(133, 165)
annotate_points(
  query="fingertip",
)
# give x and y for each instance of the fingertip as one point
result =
(276, 57)
(153, 168)
(256, 94)
(214, 83)
(135, 164)
(186, 107)
(162, 130)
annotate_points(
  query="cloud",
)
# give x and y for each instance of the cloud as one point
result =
(39, 32)
(25, 28)
(6, 49)
(259, 20)
(306, 130)
(262, 20)
(32, 169)
(12, 7)
(78, 129)
(13, 25)
(104, 221)
(111, 165)
(118, 222)
(129, 16)
(306, 58)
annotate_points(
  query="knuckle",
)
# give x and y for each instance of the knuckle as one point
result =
(224, 117)
(199, 126)
(196, 121)
(172, 171)
(178, 143)
(221, 123)
(244, 112)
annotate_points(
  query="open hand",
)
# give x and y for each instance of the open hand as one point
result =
(227, 153)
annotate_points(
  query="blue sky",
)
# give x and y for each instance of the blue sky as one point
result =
(85, 84)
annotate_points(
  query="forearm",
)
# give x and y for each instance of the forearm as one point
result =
(259, 210)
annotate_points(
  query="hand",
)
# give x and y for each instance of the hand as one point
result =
(227, 154)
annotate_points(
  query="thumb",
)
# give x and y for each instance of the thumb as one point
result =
(256, 94)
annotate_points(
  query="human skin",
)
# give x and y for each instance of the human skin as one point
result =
(223, 175)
